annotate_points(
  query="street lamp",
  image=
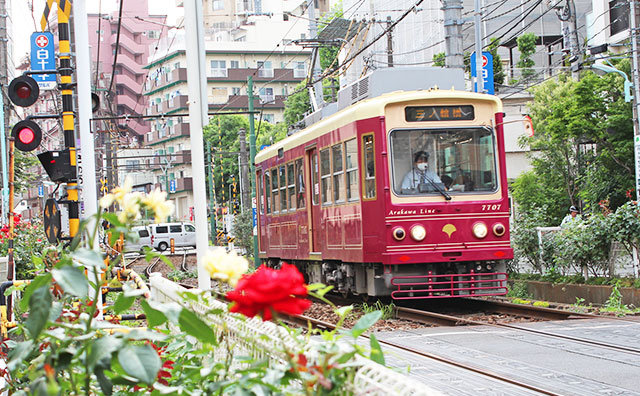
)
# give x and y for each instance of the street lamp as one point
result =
(608, 68)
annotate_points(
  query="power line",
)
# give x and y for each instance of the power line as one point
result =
(115, 56)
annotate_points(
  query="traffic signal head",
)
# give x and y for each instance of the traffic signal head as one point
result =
(95, 102)
(23, 91)
(27, 135)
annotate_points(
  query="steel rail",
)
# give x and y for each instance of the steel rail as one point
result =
(449, 320)
(303, 321)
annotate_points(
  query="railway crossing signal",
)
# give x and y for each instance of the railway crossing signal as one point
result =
(23, 91)
(27, 135)
(52, 220)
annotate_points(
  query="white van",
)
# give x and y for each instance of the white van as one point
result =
(145, 238)
(183, 235)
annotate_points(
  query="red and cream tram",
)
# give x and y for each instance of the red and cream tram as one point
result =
(345, 201)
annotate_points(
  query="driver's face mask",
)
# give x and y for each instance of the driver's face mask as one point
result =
(423, 166)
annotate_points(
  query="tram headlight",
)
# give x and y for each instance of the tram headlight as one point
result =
(418, 232)
(399, 233)
(499, 229)
(480, 230)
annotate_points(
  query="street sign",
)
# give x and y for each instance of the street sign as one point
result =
(487, 72)
(43, 58)
(40, 191)
(52, 220)
(172, 186)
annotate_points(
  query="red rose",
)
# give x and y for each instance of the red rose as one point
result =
(269, 290)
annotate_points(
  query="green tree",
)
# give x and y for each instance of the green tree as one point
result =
(243, 231)
(297, 105)
(23, 166)
(527, 47)
(498, 70)
(439, 59)
(582, 145)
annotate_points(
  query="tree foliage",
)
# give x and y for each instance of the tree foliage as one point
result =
(527, 47)
(439, 59)
(498, 70)
(582, 148)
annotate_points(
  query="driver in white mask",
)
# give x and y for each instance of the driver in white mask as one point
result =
(419, 174)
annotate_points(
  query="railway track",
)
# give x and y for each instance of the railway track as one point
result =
(302, 320)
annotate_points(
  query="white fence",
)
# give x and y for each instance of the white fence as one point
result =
(265, 340)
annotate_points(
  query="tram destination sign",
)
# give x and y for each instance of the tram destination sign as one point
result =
(439, 113)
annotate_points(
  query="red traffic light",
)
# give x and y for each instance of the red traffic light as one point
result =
(27, 135)
(23, 91)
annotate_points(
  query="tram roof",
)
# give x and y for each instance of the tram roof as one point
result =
(364, 109)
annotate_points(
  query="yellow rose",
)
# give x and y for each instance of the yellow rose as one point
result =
(120, 193)
(227, 267)
(130, 206)
(107, 201)
(157, 202)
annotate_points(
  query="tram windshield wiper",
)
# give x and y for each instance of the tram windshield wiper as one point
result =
(436, 187)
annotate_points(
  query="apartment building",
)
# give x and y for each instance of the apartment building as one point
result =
(138, 32)
(276, 67)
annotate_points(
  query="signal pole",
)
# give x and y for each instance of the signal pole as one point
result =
(68, 118)
(453, 33)
(252, 162)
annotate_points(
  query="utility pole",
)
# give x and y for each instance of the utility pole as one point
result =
(478, 30)
(315, 66)
(198, 118)
(389, 43)
(252, 161)
(4, 79)
(633, 28)
(244, 166)
(453, 33)
(212, 193)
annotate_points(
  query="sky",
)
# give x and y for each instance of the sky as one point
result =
(23, 21)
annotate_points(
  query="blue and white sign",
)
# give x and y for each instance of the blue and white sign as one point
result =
(40, 191)
(172, 186)
(487, 72)
(43, 58)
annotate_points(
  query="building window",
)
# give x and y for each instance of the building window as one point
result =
(218, 68)
(235, 91)
(351, 165)
(266, 94)
(152, 34)
(618, 16)
(132, 165)
(265, 69)
(217, 5)
(235, 65)
(270, 118)
(219, 95)
(299, 70)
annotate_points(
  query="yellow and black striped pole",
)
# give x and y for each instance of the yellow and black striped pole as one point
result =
(66, 86)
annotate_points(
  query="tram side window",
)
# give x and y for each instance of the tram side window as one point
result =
(291, 177)
(314, 173)
(283, 189)
(274, 189)
(351, 165)
(338, 174)
(300, 183)
(267, 190)
(325, 175)
(369, 167)
(260, 193)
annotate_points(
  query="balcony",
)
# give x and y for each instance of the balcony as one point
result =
(177, 130)
(242, 102)
(166, 79)
(280, 75)
(182, 184)
(180, 101)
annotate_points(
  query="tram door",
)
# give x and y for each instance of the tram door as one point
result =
(313, 199)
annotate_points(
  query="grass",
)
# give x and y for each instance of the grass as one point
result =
(388, 310)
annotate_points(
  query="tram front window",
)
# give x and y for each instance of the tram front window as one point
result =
(443, 161)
